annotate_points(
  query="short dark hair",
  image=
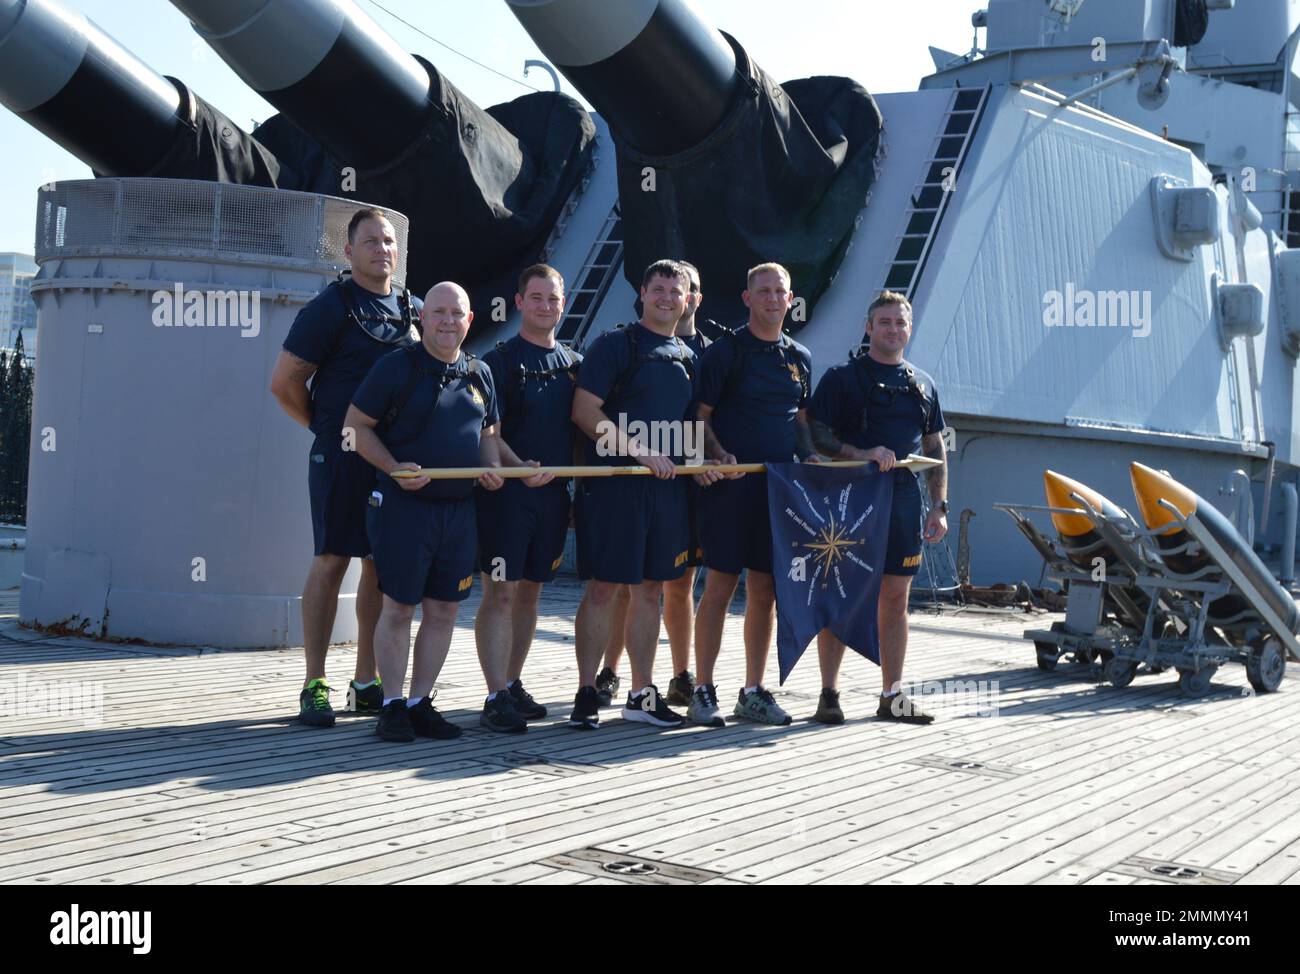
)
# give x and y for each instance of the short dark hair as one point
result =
(886, 298)
(664, 268)
(539, 270)
(691, 267)
(361, 216)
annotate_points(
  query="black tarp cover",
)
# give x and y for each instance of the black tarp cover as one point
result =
(1191, 21)
(783, 178)
(209, 146)
(482, 188)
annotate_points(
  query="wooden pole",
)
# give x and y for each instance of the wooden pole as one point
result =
(913, 462)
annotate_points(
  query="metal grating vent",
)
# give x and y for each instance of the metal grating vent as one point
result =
(1174, 872)
(538, 764)
(965, 766)
(595, 861)
(170, 218)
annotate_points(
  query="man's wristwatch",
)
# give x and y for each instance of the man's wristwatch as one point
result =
(941, 507)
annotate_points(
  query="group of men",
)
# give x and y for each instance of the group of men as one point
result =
(392, 404)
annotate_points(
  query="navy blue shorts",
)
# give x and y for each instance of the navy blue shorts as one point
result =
(631, 529)
(525, 527)
(694, 547)
(734, 526)
(423, 549)
(339, 483)
(903, 556)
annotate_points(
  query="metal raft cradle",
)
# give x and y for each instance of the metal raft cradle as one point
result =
(1130, 609)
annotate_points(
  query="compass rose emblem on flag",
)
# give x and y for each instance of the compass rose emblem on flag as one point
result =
(830, 528)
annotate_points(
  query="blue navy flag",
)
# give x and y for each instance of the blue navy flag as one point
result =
(830, 527)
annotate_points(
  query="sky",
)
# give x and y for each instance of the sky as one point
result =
(882, 44)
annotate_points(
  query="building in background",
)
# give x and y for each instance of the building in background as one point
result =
(17, 310)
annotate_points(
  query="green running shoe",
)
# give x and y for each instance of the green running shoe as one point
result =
(365, 699)
(762, 707)
(314, 704)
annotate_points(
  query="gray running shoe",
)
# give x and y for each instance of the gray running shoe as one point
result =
(703, 710)
(762, 707)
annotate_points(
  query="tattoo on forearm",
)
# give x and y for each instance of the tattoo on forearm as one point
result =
(826, 442)
(803, 441)
(936, 477)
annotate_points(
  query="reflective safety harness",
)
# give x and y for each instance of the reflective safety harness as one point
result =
(418, 370)
(684, 358)
(745, 352)
(880, 394)
(516, 377)
(385, 328)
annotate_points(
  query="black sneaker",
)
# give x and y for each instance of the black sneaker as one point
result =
(649, 708)
(606, 686)
(365, 700)
(586, 710)
(427, 722)
(529, 709)
(900, 708)
(828, 707)
(394, 722)
(499, 714)
(314, 705)
(681, 687)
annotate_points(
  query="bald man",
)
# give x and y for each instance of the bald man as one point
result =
(426, 406)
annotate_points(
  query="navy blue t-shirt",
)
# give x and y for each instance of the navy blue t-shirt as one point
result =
(535, 399)
(660, 388)
(696, 342)
(325, 335)
(754, 418)
(445, 435)
(867, 404)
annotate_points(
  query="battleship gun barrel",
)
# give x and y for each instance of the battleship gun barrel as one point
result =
(68, 79)
(746, 170)
(662, 78)
(326, 66)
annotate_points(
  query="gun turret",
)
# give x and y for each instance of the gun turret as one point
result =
(360, 117)
(662, 78)
(68, 79)
(744, 170)
(326, 66)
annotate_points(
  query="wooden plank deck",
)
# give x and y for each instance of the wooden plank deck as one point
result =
(191, 768)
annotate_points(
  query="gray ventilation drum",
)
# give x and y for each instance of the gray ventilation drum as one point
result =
(167, 498)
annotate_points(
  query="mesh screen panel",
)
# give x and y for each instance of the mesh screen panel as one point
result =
(165, 218)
